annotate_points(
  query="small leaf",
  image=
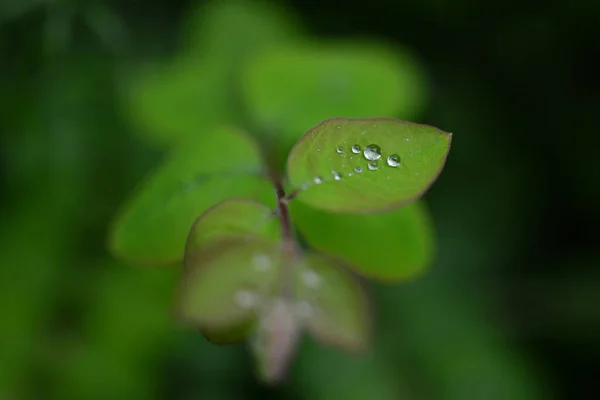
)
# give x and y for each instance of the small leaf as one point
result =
(366, 165)
(232, 218)
(390, 246)
(207, 168)
(288, 89)
(231, 31)
(176, 101)
(223, 289)
(332, 303)
(275, 339)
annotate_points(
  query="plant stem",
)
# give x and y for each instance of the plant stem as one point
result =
(290, 249)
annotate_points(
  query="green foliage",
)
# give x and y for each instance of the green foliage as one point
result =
(394, 245)
(245, 275)
(366, 165)
(333, 302)
(204, 170)
(197, 91)
(350, 79)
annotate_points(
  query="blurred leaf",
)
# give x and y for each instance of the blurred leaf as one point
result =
(207, 168)
(332, 303)
(179, 100)
(231, 31)
(222, 289)
(275, 339)
(287, 90)
(366, 165)
(395, 245)
(232, 218)
(198, 90)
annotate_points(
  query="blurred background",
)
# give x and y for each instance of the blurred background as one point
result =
(508, 310)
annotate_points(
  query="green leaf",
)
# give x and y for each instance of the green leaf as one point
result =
(332, 302)
(231, 31)
(287, 90)
(198, 90)
(228, 220)
(232, 218)
(170, 103)
(222, 290)
(391, 246)
(331, 164)
(209, 167)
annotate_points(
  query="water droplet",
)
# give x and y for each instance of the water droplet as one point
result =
(245, 299)
(350, 174)
(406, 139)
(339, 126)
(364, 132)
(340, 150)
(356, 149)
(393, 160)
(372, 152)
(373, 166)
(318, 180)
(336, 175)
(311, 279)
(261, 262)
(303, 309)
(358, 169)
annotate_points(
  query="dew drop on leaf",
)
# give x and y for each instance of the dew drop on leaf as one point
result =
(336, 175)
(303, 309)
(318, 180)
(261, 262)
(356, 149)
(245, 299)
(393, 160)
(358, 169)
(372, 152)
(373, 166)
(311, 279)
(340, 150)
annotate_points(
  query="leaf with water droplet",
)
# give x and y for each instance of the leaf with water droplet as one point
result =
(336, 304)
(350, 79)
(153, 225)
(381, 187)
(232, 218)
(221, 291)
(392, 246)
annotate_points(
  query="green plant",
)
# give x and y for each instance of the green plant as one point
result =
(272, 229)
(245, 273)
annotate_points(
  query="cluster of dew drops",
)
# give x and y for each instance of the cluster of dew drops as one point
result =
(372, 154)
(249, 299)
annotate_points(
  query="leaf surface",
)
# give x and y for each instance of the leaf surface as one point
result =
(222, 290)
(229, 219)
(153, 225)
(366, 165)
(391, 246)
(332, 303)
(332, 79)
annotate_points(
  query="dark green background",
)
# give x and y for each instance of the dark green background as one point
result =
(509, 309)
